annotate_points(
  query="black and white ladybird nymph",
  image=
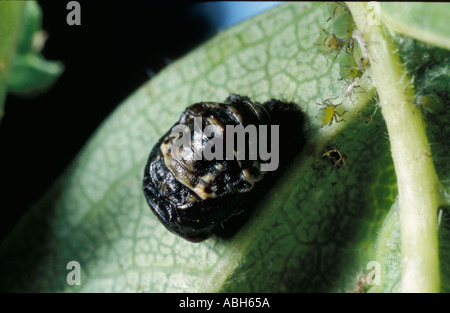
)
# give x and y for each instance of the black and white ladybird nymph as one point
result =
(194, 196)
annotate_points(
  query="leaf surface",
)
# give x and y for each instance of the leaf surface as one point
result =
(316, 229)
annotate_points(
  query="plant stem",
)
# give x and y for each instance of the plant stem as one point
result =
(418, 183)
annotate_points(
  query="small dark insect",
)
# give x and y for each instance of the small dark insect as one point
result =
(192, 197)
(337, 158)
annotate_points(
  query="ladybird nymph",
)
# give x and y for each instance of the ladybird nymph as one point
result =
(192, 194)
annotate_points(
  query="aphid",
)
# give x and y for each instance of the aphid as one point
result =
(335, 9)
(330, 44)
(192, 196)
(343, 25)
(348, 69)
(336, 157)
(352, 68)
(353, 85)
(431, 103)
(350, 87)
(329, 112)
(354, 63)
(360, 52)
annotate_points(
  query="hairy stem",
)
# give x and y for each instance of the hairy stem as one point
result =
(417, 180)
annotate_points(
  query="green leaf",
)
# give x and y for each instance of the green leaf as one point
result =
(31, 25)
(31, 73)
(423, 21)
(316, 229)
(389, 253)
(10, 24)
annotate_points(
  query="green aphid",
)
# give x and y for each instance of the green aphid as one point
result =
(437, 79)
(330, 112)
(430, 103)
(348, 68)
(329, 43)
(343, 25)
(361, 58)
(335, 9)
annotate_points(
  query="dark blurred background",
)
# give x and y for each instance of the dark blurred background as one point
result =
(118, 47)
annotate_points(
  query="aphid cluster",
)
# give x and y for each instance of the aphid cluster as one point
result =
(346, 44)
(194, 196)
